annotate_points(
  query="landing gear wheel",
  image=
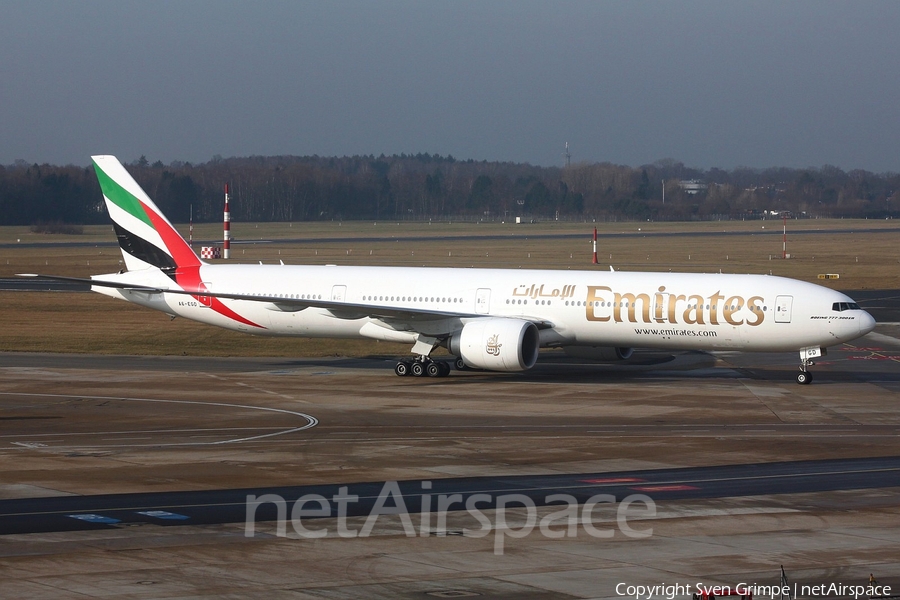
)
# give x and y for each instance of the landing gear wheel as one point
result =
(804, 378)
(445, 369)
(417, 369)
(401, 369)
(434, 369)
(460, 364)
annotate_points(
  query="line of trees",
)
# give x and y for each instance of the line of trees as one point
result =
(426, 186)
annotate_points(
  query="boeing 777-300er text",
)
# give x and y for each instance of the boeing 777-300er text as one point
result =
(492, 319)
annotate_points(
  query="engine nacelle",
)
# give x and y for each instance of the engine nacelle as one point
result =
(599, 353)
(497, 344)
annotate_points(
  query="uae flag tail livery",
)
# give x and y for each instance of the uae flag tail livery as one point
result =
(146, 236)
(151, 246)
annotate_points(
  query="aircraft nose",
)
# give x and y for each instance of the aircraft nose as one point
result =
(866, 323)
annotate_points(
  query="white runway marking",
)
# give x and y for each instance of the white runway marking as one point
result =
(311, 421)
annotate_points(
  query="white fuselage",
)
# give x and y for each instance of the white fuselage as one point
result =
(576, 308)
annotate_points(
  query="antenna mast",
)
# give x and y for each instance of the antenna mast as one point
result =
(567, 156)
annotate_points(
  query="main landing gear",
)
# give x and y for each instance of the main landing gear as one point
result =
(422, 366)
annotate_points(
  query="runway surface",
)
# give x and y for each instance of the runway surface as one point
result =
(230, 506)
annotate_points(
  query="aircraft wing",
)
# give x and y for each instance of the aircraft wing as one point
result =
(340, 310)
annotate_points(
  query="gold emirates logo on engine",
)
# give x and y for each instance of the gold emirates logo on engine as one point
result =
(602, 304)
(493, 345)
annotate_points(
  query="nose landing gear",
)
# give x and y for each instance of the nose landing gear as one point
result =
(804, 377)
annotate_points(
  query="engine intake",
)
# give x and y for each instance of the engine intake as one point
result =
(497, 344)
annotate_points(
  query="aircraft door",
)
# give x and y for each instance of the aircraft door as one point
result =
(483, 301)
(338, 293)
(205, 301)
(783, 309)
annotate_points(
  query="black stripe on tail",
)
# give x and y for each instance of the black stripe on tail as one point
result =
(141, 249)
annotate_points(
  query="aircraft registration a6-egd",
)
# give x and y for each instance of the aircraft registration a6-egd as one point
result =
(492, 319)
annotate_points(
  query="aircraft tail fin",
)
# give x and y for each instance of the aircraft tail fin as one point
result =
(146, 237)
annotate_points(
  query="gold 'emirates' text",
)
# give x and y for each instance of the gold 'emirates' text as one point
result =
(603, 304)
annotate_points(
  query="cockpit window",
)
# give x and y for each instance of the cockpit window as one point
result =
(842, 306)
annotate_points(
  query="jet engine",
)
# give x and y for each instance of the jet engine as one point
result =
(497, 344)
(599, 353)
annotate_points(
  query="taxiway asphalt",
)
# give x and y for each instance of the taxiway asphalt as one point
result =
(101, 455)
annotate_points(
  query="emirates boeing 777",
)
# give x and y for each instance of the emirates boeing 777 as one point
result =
(491, 319)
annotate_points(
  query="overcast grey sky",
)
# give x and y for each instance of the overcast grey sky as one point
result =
(712, 84)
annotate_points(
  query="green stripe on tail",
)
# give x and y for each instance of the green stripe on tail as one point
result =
(121, 198)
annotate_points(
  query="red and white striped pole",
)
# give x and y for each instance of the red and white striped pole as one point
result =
(595, 245)
(226, 242)
(784, 237)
